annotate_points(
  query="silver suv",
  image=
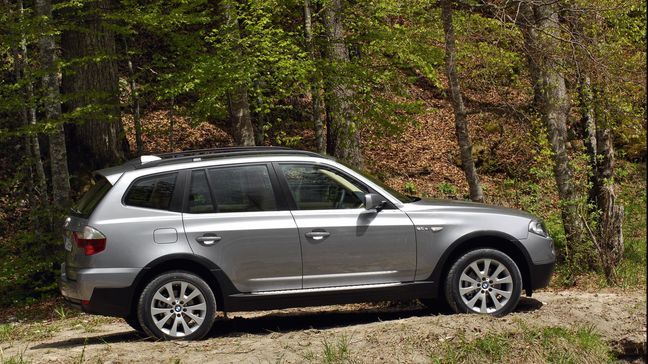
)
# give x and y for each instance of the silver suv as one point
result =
(165, 241)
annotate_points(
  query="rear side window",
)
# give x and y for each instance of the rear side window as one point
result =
(242, 189)
(200, 200)
(153, 192)
(86, 205)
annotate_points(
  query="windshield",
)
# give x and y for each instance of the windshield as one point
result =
(90, 200)
(400, 196)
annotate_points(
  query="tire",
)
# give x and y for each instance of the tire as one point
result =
(164, 312)
(494, 289)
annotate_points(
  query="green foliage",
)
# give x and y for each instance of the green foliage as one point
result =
(410, 188)
(552, 344)
(447, 189)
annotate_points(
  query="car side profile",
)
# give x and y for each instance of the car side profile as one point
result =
(166, 241)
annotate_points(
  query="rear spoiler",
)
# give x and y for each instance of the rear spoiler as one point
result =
(112, 174)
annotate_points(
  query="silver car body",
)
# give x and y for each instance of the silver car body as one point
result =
(267, 254)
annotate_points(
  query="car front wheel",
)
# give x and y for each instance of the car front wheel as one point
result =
(177, 305)
(484, 281)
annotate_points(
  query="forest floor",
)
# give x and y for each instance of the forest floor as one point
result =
(565, 326)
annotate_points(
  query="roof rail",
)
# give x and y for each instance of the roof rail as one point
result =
(215, 153)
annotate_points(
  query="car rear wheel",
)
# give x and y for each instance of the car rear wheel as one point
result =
(177, 305)
(484, 281)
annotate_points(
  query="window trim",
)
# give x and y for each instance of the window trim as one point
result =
(291, 200)
(280, 200)
(174, 204)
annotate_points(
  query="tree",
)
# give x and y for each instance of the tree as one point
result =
(461, 123)
(344, 136)
(52, 105)
(542, 29)
(239, 105)
(91, 85)
(317, 107)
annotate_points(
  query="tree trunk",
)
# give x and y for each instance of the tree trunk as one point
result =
(461, 124)
(543, 50)
(135, 103)
(92, 80)
(52, 106)
(529, 34)
(317, 117)
(239, 106)
(341, 115)
(610, 227)
(28, 113)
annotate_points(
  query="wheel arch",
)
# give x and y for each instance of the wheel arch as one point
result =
(497, 240)
(200, 266)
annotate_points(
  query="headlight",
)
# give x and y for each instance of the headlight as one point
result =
(538, 228)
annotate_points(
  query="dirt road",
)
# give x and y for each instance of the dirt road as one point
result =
(369, 333)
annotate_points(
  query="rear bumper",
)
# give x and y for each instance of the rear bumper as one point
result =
(101, 291)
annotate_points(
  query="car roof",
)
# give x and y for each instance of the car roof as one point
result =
(113, 174)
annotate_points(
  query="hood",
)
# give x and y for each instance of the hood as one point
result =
(462, 206)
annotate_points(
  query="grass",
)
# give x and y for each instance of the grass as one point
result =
(337, 352)
(37, 331)
(632, 271)
(527, 345)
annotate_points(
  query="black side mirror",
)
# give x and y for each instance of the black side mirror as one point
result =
(374, 202)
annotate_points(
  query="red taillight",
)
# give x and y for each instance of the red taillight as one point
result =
(90, 239)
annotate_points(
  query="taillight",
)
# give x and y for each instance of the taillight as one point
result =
(90, 239)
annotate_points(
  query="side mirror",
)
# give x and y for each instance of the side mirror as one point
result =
(374, 202)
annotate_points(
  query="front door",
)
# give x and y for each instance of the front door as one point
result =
(342, 243)
(234, 218)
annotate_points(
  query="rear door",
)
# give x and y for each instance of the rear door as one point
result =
(234, 216)
(342, 243)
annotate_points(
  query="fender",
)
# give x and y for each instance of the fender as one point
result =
(480, 239)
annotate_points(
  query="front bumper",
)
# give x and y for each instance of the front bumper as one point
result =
(541, 275)
(102, 291)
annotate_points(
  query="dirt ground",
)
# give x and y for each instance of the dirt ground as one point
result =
(373, 333)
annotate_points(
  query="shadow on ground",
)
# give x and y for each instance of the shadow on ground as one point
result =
(289, 321)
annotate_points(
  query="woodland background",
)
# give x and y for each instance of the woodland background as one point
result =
(532, 104)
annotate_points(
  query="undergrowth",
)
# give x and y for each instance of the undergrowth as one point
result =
(527, 345)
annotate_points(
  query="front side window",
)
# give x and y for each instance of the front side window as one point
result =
(153, 192)
(242, 189)
(316, 188)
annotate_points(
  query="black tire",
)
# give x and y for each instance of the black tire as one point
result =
(176, 279)
(483, 288)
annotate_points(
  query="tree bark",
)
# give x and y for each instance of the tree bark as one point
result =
(135, 103)
(317, 117)
(239, 105)
(610, 227)
(527, 27)
(28, 113)
(52, 106)
(543, 49)
(92, 80)
(341, 115)
(461, 123)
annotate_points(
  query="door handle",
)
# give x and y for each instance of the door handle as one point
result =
(317, 235)
(208, 239)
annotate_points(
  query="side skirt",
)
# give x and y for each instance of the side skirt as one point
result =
(329, 296)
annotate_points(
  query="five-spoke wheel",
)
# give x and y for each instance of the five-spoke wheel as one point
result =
(177, 305)
(484, 281)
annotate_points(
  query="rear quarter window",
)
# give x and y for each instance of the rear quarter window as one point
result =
(89, 201)
(154, 192)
